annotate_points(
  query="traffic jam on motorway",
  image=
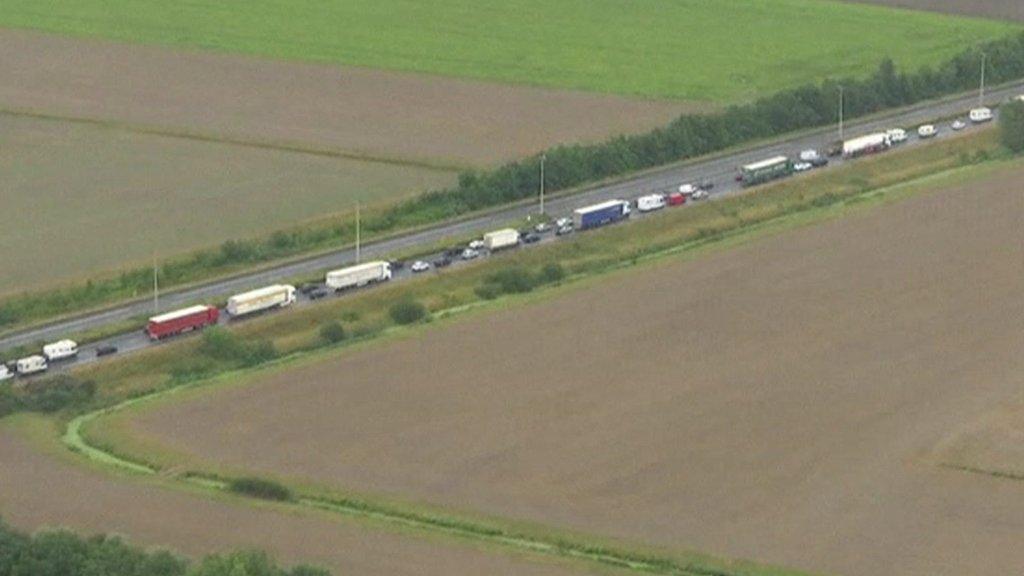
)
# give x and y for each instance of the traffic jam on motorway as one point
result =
(194, 318)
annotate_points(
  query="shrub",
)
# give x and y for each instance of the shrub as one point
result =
(260, 488)
(512, 281)
(224, 345)
(551, 273)
(407, 312)
(64, 553)
(1011, 126)
(488, 291)
(56, 393)
(332, 332)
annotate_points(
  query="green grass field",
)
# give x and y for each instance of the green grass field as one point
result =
(721, 50)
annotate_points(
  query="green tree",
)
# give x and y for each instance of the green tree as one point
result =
(1011, 126)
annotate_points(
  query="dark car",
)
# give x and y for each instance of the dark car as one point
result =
(452, 253)
(443, 261)
(819, 162)
(320, 292)
(530, 238)
(706, 184)
(106, 351)
(307, 288)
(397, 264)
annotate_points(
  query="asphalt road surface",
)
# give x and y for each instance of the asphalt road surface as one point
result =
(720, 171)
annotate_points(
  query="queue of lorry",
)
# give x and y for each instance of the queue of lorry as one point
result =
(278, 296)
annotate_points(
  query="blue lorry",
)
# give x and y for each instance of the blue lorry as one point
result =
(600, 214)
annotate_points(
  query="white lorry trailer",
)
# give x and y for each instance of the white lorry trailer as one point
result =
(262, 299)
(650, 202)
(499, 239)
(60, 350)
(869, 144)
(31, 365)
(359, 275)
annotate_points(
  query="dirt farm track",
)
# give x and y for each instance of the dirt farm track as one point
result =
(778, 402)
(996, 9)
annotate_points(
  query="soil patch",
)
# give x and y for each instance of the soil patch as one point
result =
(772, 402)
(37, 490)
(1001, 9)
(360, 111)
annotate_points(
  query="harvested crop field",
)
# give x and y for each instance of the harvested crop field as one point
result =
(38, 490)
(80, 198)
(1004, 9)
(357, 111)
(779, 401)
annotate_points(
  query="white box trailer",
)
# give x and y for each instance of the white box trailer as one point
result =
(499, 239)
(650, 202)
(60, 350)
(359, 275)
(31, 365)
(277, 296)
(866, 144)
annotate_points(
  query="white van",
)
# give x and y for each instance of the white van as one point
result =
(650, 202)
(896, 135)
(5, 372)
(60, 350)
(926, 131)
(31, 365)
(979, 115)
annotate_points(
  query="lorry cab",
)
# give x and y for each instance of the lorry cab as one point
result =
(5, 372)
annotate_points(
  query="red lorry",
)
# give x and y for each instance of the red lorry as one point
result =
(184, 320)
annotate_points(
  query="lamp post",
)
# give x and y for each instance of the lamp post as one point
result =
(543, 159)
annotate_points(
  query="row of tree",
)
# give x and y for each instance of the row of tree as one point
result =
(63, 553)
(688, 136)
(695, 135)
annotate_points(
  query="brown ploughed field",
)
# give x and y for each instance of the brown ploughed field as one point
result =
(363, 112)
(779, 401)
(995, 9)
(38, 490)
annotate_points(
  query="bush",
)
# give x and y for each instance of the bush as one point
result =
(487, 291)
(260, 488)
(64, 553)
(332, 332)
(1011, 126)
(55, 393)
(551, 273)
(512, 281)
(224, 345)
(407, 312)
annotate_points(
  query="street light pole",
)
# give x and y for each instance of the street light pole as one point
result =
(357, 234)
(543, 158)
(841, 107)
(156, 287)
(981, 93)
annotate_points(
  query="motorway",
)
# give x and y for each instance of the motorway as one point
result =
(719, 170)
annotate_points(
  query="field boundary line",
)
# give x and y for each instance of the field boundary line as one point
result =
(198, 136)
